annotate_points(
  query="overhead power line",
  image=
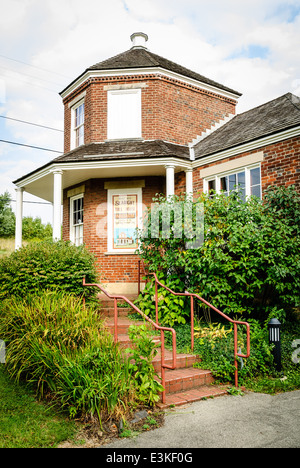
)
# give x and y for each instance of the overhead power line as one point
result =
(34, 66)
(30, 146)
(31, 123)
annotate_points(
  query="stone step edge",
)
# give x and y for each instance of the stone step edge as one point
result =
(190, 396)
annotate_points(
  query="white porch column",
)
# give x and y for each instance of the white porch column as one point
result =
(189, 181)
(57, 202)
(170, 173)
(19, 216)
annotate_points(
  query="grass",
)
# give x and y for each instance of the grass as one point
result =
(27, 423)
(7, 246)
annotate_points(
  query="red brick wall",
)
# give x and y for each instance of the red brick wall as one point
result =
(113, 268)
(281, 165)
(171, 110)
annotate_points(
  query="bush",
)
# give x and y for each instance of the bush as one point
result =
(64, 351)
(47, 265)
(249, 261)
(35, 229)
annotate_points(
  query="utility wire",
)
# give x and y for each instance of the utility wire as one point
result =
(31, 123)
(33, 66)
(30, 146)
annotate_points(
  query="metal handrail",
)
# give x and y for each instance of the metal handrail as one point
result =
(192, 295)
(155, 325)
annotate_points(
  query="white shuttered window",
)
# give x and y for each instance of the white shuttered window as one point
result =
(124, 114)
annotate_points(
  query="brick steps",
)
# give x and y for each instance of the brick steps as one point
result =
(184, 384)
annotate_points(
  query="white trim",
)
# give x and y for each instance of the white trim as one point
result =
(110, 194)
(73, 128)
(147, 71)
(218, 175)
(232, 165)
(180, 163)
(19, 218)
(72, 226)
(74, 101)
(57, 202)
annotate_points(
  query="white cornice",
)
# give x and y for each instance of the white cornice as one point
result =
(100, 164)
(252, 145)
(146, 71)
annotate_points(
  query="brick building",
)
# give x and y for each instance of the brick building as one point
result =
(137, 125)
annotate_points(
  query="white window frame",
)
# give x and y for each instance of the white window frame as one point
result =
(110, 222)
(118, 117)
(217, 178)
(74, 128)
(76, 230)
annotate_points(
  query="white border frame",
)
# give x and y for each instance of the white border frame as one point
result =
(73, 129)
(72, 228)
(110, 194)
(219, 175)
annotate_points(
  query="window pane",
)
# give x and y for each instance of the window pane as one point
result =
(78, 211)
(80, 136)
(241, 180)
(255, 176)
(224, 183)
(232, 181)
(256, 191)
(211, 185)
(79, 115)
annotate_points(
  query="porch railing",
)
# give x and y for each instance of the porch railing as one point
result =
(192, 296)
(162, 330)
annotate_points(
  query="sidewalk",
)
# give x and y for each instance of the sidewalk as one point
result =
(254, 420)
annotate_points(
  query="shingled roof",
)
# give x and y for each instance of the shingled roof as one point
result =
(143, 58)
(124, 149)
(270, 118)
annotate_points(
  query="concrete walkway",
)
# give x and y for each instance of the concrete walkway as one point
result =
(253, 420)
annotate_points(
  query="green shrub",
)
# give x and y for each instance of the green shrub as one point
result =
(63, 349)
(47, 265)
(33, 228)
(249, 261)
(141, 366)
(171, 309)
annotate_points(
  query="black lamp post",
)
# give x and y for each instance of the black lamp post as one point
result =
(274, 338)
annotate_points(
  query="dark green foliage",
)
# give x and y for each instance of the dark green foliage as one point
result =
(47, 265)
(63, 349)
(141, 356)
(249, 261)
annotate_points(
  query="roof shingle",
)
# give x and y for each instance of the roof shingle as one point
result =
(270, 118)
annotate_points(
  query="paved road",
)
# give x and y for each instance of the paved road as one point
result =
(253, 420)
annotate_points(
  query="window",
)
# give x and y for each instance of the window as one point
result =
(124, 217)
(76, 219)
(77, 136)
(247, 181)
(124, 114)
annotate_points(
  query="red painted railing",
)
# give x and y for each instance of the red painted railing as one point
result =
(192, 296)
(155, 325)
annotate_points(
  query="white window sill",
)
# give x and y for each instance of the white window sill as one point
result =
(123, 252)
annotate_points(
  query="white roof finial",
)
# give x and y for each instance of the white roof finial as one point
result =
(139, 39)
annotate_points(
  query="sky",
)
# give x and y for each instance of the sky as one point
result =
(251, 46)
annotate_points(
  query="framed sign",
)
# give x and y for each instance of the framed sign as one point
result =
(124, 207)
